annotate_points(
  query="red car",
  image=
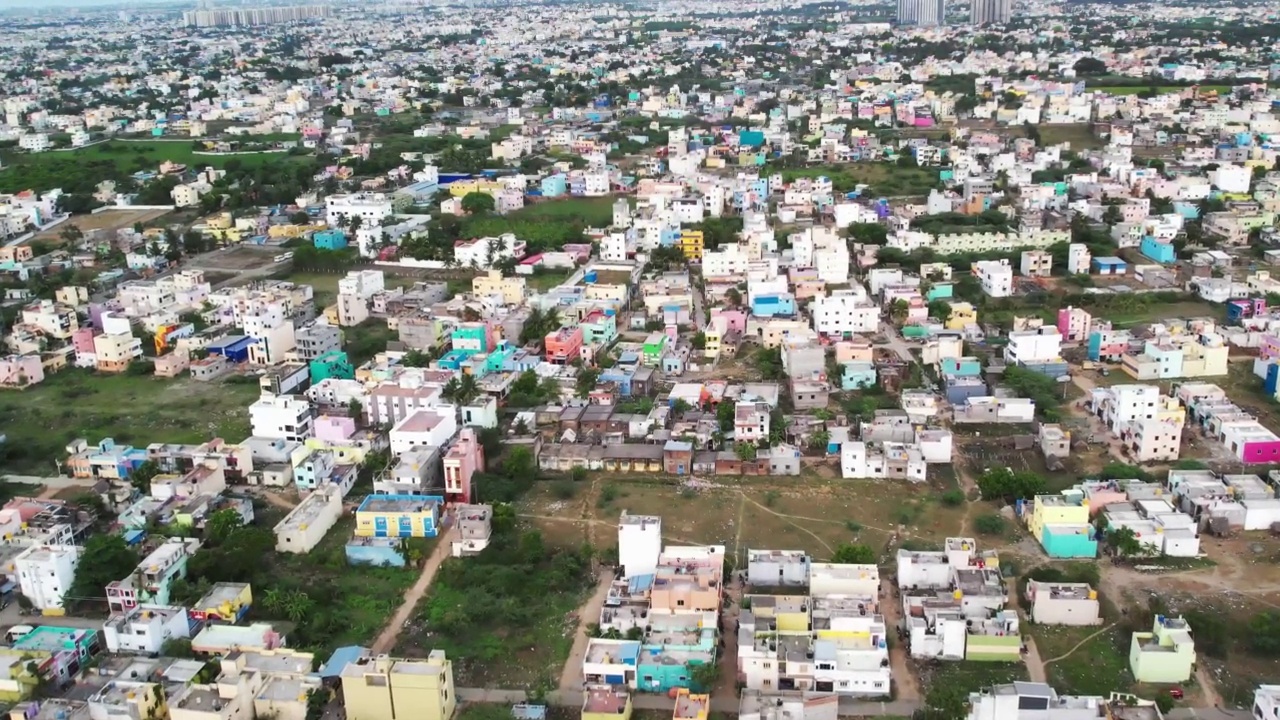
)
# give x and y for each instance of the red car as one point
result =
(1176, 693)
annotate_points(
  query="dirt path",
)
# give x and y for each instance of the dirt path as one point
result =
(571, 676)
(387, 638)
(1035, 664)
(279, 500)
(804, 529)
(904, 678)
(1079, 645)
(1203, 679)
(594, 522)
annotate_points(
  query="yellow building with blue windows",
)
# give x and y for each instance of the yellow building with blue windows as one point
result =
(399, 516)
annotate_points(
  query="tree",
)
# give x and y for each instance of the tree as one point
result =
(1264, 633)
(586, 382)
(1090, 66)
(704, 676)
(733, 297)
(1003, 483)
(1124, 542)
(177, 648)
(989, 524)
(221, 525)
(475, 203)
(142, 476)
(744, 450)
(854, 554)
(106, 558)
(355, 409)
(725, 412)
(415, 359)
(898, 311)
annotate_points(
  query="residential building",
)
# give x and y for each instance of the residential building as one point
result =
(1074, 324)
(462, 461)
(152, 580)
(474, 527)
(399, 516)
(996, 276)
(144, 629)
(844, 313)
(1167, 654)
(510, 289)
(1063, 603)
(385, 688)
(306, 525)
(45, 573)
(988, 12)
(1036, 263)
(778, 568)
(281, 417)
(639, 544)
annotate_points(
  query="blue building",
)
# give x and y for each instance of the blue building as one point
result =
(857, 374)
(962, 367)
(234, 348)
(555, 185)
(774, 305)
(1110, 266)
(329, 240)
(1163, 253)
(751, 138)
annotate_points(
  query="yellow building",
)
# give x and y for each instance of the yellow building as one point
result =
(690, 706)
(384, 688)
(691, 244)
(226, 601)
(1056, 510)
(962, 314)
(511, 289)
(466, 187)
(714, 334)
(790, 613)
(399, 516)
(16, 679)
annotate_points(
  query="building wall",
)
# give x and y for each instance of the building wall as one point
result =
(993, 648)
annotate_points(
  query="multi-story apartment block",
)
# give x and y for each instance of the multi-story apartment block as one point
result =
(45, 574)
(151, 581)
(1037, 263)
(996, 277)
(315, 341)
(52, 319)
(281, 417)
(463, 460)
(843, 313)
(145, 628)
(385, 688)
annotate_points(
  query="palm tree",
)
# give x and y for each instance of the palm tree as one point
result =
(271, 599)
(468, 389)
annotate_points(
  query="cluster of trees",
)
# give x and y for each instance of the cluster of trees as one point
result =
(309, 258)
(529, 391)
(1009, 485)
(1041, 388)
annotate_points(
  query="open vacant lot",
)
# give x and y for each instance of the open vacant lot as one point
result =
(108, 220)
(808, 513)
(1079, 136)
(41, 420)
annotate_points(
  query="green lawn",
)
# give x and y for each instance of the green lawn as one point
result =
(1078, 135)
(884, 178)
(1155, 312)
(366, 340)
(1096, 667)
(1160, 89)
(41, 420)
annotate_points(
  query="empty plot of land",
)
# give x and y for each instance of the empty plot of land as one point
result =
(108, 220)
(239, 258)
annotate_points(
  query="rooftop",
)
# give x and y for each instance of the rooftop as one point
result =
(604, 700)
(401, 503)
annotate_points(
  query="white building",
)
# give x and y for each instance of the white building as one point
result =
(371, 208)
(639, 544)
(1266, 702)
(482, 253)
(281, 417)
(424, 428)
(306, 525)
(1034, 701)
(996, 277)
(729, 260)
(1078, 259)
(45, 572)
(1232, 178)
(1041, 345)
(144, 629)
(34, 142)
(843, 312)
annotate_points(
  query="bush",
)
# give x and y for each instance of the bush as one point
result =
(1005, 484)
(953, 498)
(1164, 702)
(563, 489)
(989, 524)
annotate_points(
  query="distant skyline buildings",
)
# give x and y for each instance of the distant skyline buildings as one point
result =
(208, 16)
(987, 12)
(922, 13)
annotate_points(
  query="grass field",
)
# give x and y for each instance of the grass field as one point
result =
(1078, 135)
(812, 513)
(1160, 89)
(883, 178)
(41, 420)
(325, 285)
(110, 221)
(1094, 664)
(1155, 312)
(124, 152)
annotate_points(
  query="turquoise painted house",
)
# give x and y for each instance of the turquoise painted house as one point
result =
(857, 374)
(555, 185)
(1163, 253)
(333, 364)
(667, 658)
(1061, 541)
(751, 138)
(329, 240)
(940, 291)
(961, 367)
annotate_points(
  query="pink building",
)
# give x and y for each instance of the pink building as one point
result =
(20, 371)
(331, 428)
(464, 459)
(1074, 324)
(563, 346)
(1270, 347)
(737, 318)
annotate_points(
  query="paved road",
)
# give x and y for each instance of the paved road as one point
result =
(895, 342)
(59, 482)
(9, 617)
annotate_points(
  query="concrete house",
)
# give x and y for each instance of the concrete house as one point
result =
(1063, 603)
(1167, 654)
(778, 568)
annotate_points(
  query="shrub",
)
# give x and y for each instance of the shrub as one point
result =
(989, 524)
(953, 498)
(563, 489)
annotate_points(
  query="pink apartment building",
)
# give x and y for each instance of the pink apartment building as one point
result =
(464, 459)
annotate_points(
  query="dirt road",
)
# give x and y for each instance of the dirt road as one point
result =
(387, 638)
(571, 676)
(904, 677)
